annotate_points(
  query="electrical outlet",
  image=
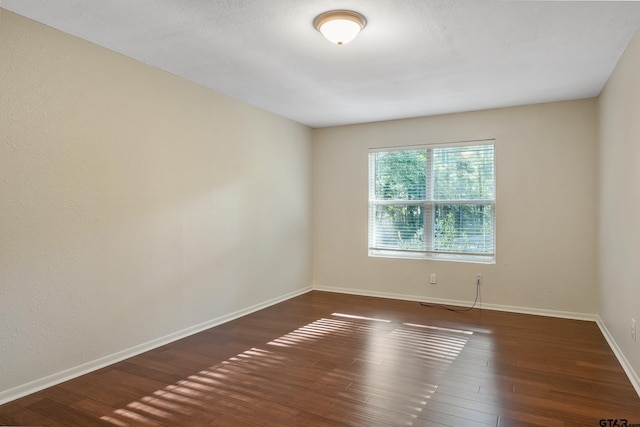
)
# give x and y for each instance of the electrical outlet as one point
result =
(433, 279)
(634, 331)
(478, 279)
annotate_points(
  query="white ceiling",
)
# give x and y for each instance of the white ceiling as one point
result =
(414, 58)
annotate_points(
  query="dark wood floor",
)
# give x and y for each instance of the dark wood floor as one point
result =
(326, 359)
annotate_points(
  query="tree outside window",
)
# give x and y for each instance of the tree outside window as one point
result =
(433, 202)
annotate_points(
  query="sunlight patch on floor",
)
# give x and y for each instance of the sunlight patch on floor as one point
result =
(254, 377)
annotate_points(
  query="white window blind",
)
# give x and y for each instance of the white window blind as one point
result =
(435, 202)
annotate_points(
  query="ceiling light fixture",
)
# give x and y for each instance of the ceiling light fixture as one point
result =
(340, 26)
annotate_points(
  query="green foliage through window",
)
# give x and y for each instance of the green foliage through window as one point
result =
(434, 201)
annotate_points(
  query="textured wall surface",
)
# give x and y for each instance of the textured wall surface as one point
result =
(546, 170)
(619, 241)
(133, 204)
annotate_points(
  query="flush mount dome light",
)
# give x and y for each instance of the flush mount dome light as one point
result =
(340, 26)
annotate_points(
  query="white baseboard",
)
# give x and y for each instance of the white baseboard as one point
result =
(626, 366)
(68, 374)
(628, 369)
(542, 312)
(496, 307)
(59, 377)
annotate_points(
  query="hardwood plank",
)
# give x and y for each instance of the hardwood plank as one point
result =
(324, 359)
(65, 414)
(15, 414)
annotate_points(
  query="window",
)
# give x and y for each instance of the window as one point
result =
(433, 202)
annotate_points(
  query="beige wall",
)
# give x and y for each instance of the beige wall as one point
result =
(133, 204)
(546, 210)
(129, 197)
(619, 185)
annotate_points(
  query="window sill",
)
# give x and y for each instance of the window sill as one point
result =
(475, 259)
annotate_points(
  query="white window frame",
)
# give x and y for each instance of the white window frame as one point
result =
(428, 206)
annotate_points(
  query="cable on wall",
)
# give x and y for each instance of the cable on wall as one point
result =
(456, 310)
